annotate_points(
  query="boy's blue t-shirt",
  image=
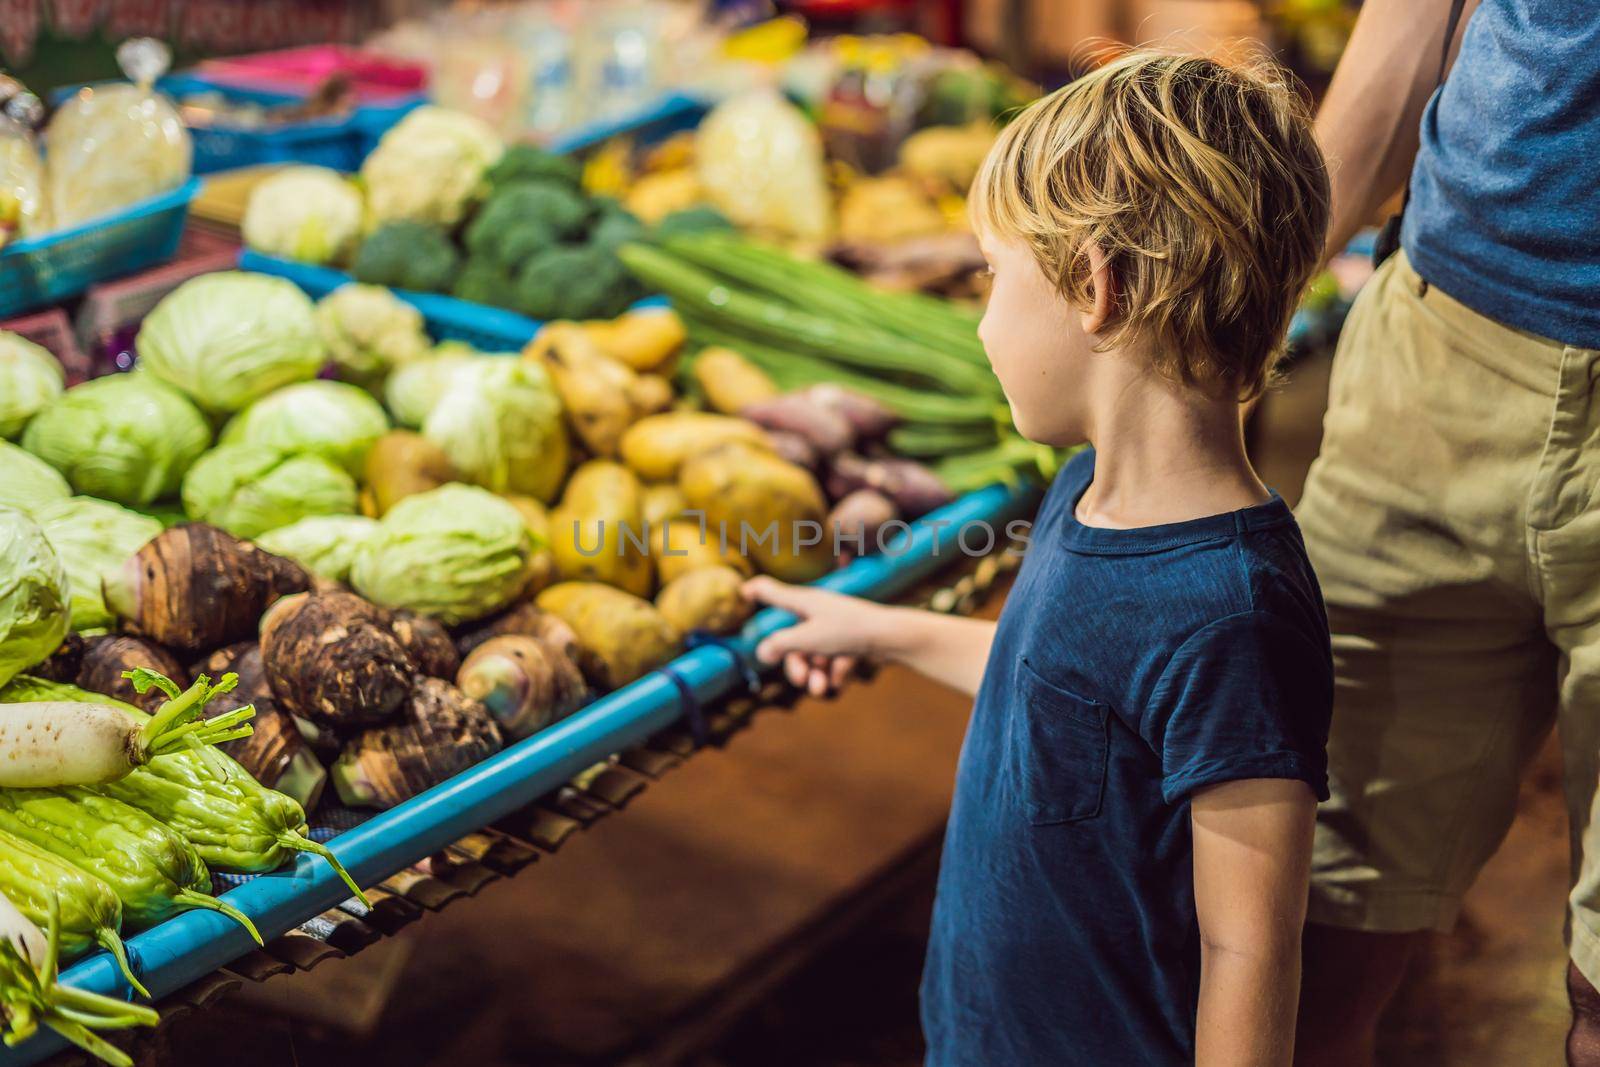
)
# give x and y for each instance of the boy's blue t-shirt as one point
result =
(1130, 668)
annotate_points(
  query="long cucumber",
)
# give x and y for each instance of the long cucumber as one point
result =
(862, 347)
(796, 370)
(90, 913)
(924, 441)
(812, 287)
(151, 868)
(932, 310)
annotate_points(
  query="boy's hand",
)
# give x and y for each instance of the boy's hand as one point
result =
(821, 650)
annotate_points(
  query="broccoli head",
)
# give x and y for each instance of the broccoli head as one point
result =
(583, 282)
(525, 162)
(407, 255)
(615, 225)
(483, 282)
(524, 219)
(690, 221)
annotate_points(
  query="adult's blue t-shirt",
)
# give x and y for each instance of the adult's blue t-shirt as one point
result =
(1505, 201)
(1130, 669)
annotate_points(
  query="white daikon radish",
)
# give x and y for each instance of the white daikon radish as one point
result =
(55, 743)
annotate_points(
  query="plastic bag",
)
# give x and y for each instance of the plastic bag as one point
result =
(113, 145)
(24, 211)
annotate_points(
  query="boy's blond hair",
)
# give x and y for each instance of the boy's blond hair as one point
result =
(1200, 182)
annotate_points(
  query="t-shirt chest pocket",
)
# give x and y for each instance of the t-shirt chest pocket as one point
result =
(1057, 747)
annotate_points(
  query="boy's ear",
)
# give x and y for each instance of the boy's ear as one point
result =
(1102, 285)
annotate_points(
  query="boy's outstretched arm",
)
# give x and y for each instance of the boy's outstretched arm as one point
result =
(1252, 862)
(834, 629)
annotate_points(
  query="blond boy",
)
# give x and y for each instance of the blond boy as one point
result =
(1124, 874)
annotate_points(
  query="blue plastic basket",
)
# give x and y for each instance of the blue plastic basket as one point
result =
(341, 143)
(663, 118)
(54, 266)
(488, 329)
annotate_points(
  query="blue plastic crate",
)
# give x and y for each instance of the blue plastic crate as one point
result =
(54, 266)
(488, 329)
(671, 114)
(341, 143)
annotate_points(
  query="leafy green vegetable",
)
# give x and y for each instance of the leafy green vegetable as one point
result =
(499, 423)
(230, 338)
(249, 489)
(30, 378)
(124, 437)
(335, 420)
(457, 553)
(93, 538)
(26, 481)
(692, 220)
(33, 594)
(325, 545)
(413, 390)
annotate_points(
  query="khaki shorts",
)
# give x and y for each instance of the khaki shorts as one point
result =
(1453, 521)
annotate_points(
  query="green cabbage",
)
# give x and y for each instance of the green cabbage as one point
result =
(93, 538)
(456, 552)
(26, 481)
(311, 214)
(335, 420)
(30, 378)
(369, 331)
(33, 595)
(499, 423)
(325, 545)
(124, 437)
(413, 390)
(250, 489)
(230, 338)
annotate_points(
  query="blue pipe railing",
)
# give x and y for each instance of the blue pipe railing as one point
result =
(195, 943)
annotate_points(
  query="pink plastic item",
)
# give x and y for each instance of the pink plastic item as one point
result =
(374, 76)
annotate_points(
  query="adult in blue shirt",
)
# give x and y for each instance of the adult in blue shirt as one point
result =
(1453, 515)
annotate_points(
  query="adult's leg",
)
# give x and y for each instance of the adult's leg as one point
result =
(1415, 518)
(1564, 528)
(1347, 976)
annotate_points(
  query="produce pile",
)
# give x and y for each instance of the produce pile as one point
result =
(396, 556)
(810, 324)
(764, 164)
(442, 206)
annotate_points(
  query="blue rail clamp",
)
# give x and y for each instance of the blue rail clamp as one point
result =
(699, 732)
(746, 664)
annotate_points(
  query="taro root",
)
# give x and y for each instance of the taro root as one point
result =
(105, 658)
(62, 664)
(427, 642)
(275, 754)
(525, 684)
(527, 620)
(438, 733)
(331, 658)
(195, 587)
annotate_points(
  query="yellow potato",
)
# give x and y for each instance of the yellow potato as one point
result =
(645, 340)
(597, 533)
(542, 564)
(657, 445)
(678, 547)
(596, 390)
(661, 501)
(772, 510)
(705, 599)
(624, 635)
(730, 382)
